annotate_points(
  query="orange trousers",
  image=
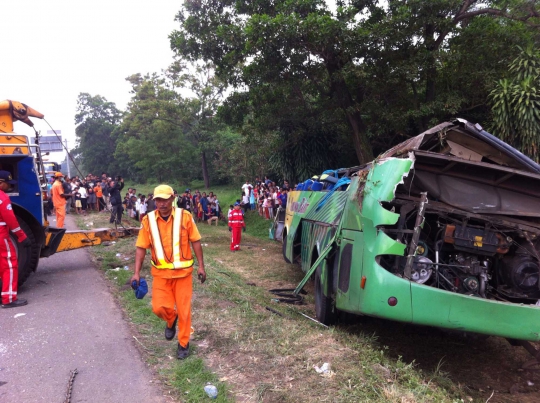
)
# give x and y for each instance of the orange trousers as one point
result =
(171, 297)
(60, 216)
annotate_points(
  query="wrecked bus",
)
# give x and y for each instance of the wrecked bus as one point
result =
(441, 230)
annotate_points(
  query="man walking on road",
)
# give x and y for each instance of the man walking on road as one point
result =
(59, 199)
(167, 232)
(9, 269)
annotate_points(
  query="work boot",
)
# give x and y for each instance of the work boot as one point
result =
(15, 304)
(170, 332)
(182, 352)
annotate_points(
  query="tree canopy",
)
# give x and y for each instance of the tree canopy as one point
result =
(292, 87)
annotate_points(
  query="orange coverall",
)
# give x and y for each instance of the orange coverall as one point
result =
(172, 287)
(59, 203)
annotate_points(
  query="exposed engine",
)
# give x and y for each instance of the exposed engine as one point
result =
(466, 253)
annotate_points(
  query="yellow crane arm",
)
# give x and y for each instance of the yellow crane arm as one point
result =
(11, 111)
(81, 239)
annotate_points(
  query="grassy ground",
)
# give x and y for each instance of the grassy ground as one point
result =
(253, 354)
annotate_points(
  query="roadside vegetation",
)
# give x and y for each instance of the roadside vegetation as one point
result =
(252, 353)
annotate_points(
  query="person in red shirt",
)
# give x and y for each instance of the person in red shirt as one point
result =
(236, 226)
(9, 269)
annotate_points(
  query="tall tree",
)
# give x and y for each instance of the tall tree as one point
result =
(96, 120)
(152, 142)
(344, 52)
(208, 89)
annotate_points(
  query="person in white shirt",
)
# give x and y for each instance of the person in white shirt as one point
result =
(245, 188)
(142, 207)
(84, 196)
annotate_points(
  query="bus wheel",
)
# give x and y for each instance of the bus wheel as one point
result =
(325, 309)
(284, 247)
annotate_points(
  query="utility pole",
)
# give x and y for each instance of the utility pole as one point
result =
(67, 158)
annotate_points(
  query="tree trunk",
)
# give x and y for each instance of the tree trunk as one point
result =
(339, 89)
(205, 170)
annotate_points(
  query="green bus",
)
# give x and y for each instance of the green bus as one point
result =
(441, 230)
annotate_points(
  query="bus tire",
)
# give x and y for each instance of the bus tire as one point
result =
(284, 246)
(27, 257)
(325, 309)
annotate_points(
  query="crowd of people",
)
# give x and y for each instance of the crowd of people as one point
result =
(264, 197)
(103, 194)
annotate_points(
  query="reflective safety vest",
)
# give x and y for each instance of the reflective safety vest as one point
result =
(162, 263)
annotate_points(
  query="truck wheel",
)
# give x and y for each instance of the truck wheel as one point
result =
(27, 257)
(325, 309)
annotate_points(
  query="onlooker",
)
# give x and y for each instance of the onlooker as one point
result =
(150, 203)
(211, 215)
(92, 199)
(142, 207)
(251, 198)
(116, 201)
(84, 196)
(98, 190)
(185, 200)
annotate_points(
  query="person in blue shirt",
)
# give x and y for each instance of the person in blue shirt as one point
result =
(283, 198)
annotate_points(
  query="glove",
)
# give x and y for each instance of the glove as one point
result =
(26, 243)
(230, 229)
(244, 229)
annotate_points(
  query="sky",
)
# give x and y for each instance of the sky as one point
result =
(55, 49)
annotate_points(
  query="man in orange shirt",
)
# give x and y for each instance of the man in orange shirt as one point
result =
(99, 196)
(59, 199)
(168, 232)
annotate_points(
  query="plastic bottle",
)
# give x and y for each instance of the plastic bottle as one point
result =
(211, 391)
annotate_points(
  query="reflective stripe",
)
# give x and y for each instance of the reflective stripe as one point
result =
(16, 229)
(10, 292)
(235, 221)
(3, 223)
(162, 263)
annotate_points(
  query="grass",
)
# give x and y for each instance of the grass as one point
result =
(252, 354)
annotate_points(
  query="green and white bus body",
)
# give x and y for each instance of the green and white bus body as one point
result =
(442, 230)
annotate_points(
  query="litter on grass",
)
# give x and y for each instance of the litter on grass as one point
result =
(324, 370)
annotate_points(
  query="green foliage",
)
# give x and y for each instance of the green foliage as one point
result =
(152, 141)
(96, 120)
(516, 104)
(383, 70)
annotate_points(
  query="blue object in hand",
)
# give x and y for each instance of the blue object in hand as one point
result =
(141, 290)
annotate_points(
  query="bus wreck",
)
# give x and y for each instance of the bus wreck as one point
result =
(441, 230)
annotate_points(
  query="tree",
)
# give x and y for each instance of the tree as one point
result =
(96, 120)
(516, 104)
(341, 58)
(152, 141)
(199, 78)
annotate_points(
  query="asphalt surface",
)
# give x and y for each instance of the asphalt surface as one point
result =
(71, 322)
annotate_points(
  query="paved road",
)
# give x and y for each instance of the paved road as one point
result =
(71, 322)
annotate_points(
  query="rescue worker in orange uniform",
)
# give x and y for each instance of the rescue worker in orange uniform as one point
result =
(59, 199)
(236, 226)
(167, 232)
(9, 269)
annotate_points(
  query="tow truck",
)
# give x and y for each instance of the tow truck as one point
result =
(25, 163)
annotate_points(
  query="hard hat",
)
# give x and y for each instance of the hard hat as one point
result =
(58, 174)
